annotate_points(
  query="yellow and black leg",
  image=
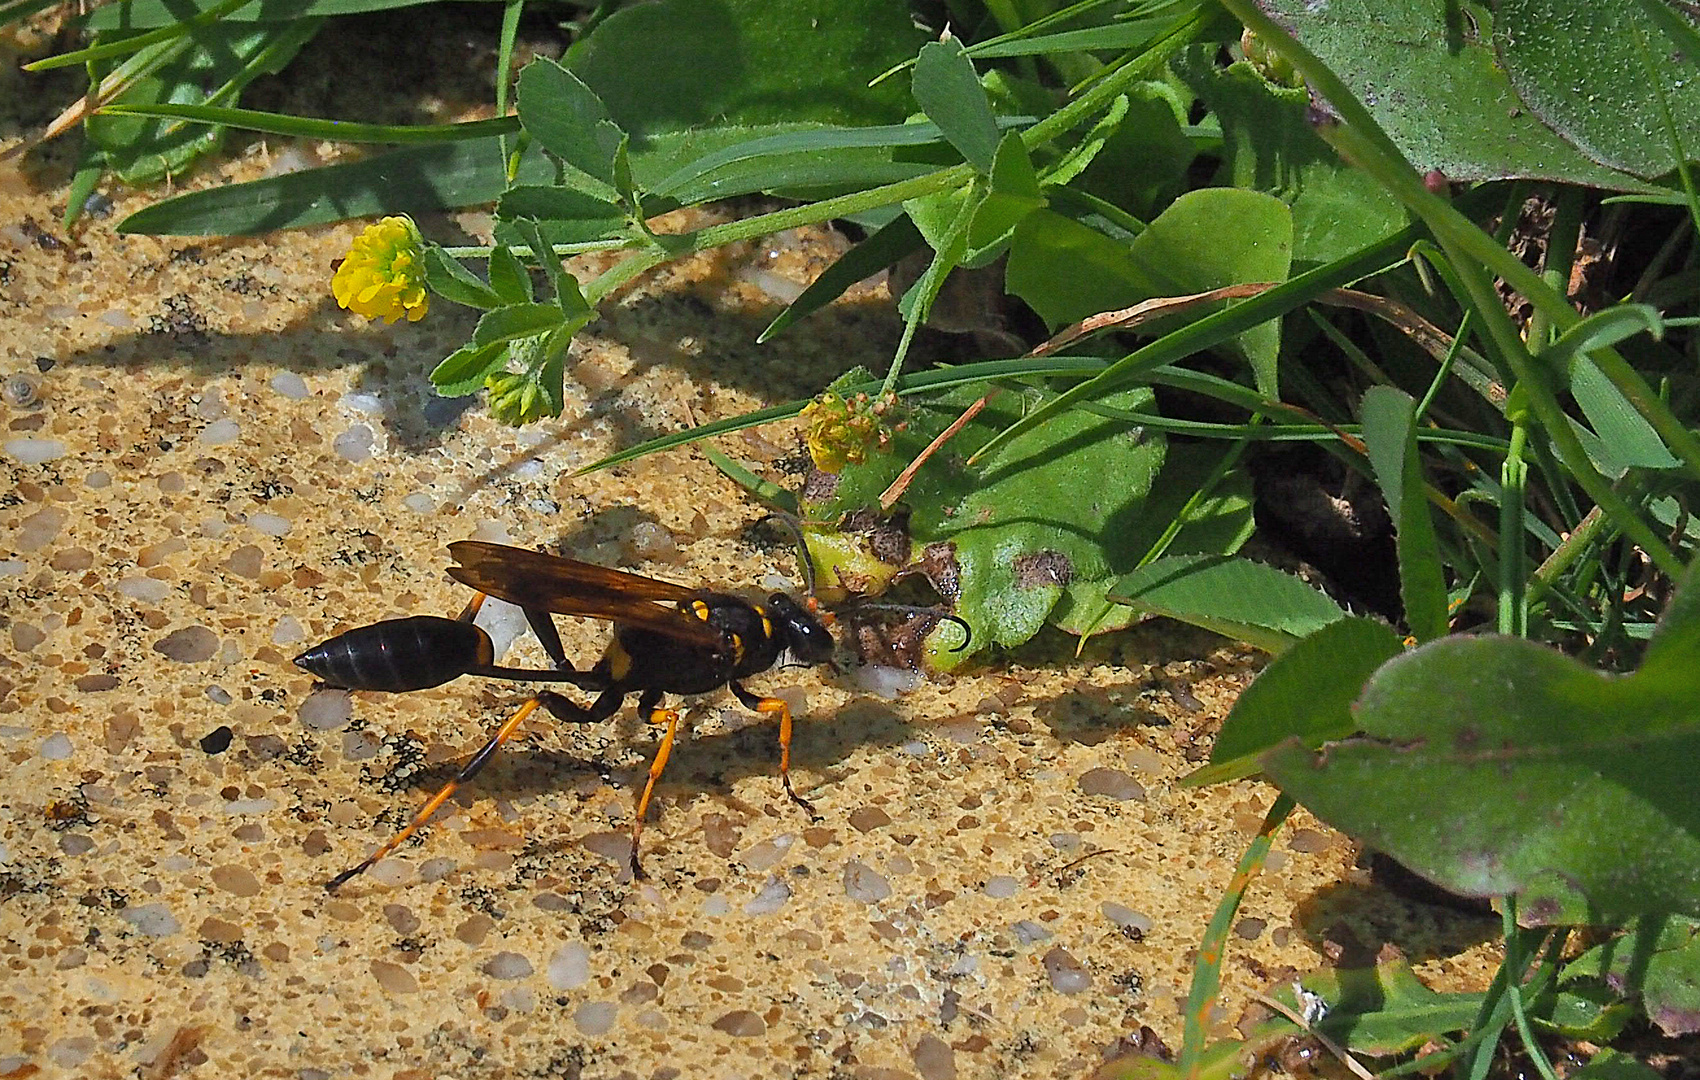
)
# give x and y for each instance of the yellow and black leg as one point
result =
(767, 705)
(650, 712)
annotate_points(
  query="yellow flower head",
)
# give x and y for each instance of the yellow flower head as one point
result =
(383, 276)
(841, 431)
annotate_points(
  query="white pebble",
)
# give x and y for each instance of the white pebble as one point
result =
(270, 524)
(529, 469)
(1027, 932)
(39, 529)
(13, 567)
(504, 622)
(885, 682)
(569, 967)
(1001, 887)
(916, 748)
(865, 884)
(238, 807)
(153, 920)
(361, 401)
(1126, 918)
(1067, 975)
(716, 906)
(771, 898)
(596, 1017)
(221, 432)
(355, 444)
(288, 631)
(146, 589)
(521, 999)
(507, 965)
(391, 871)
(56, 747)
(290, 385)
(34, 451)
(420, 503)
(326, 710)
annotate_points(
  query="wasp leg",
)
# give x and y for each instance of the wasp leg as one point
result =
(556, 704)
(543, 625)
(777, 705)
(650, 712)
(470, 611)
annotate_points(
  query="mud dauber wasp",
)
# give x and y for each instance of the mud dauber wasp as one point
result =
(668, 639)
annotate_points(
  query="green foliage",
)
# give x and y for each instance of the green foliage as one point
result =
(1051, 512)
(1593, 818)
(1540, 476)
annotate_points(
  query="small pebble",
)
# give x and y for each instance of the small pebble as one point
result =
(884, 682)
(521, 999)
(190, 645)
(270, 524)
(355, 444)
(1028, 932)
(362, 401)
(596, 1017)
(399, 872)
(504, 622)
(219, 694)
(217, 741)
(1126, 918)
(238, 880)
(1112, 784)
(326, 710)
(771, 898)
(420, 503)
(152, 920)
(507, 965)
(146, 589)
(221, 432)
(569, 966)
(1001, 887)
(290, 385)
(741, 1023)
(437, 869)
(394, 978)
(39, 529)
(13, 567)
(70, 1052)
(1067, 974)
(288, 631)
(934, 1057)
(916, 748)
(864, 884)
(56, 747)
(34, 451)
(237, 807)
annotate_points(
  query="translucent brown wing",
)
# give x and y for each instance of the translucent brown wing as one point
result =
(542, 582)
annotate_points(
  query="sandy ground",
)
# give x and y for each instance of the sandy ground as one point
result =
(207, 467)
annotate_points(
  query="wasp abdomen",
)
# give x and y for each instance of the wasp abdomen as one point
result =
(398, 655)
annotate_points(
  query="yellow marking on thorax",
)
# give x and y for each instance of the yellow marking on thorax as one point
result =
(619, 660)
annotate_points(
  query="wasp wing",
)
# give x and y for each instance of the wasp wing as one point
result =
(550, 583)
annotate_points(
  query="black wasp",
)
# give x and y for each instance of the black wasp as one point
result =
(668, 639)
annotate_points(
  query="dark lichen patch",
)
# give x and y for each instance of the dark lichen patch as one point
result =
(1042, 569)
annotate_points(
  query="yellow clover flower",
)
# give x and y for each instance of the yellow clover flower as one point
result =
(383, 276)
(841, 431)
